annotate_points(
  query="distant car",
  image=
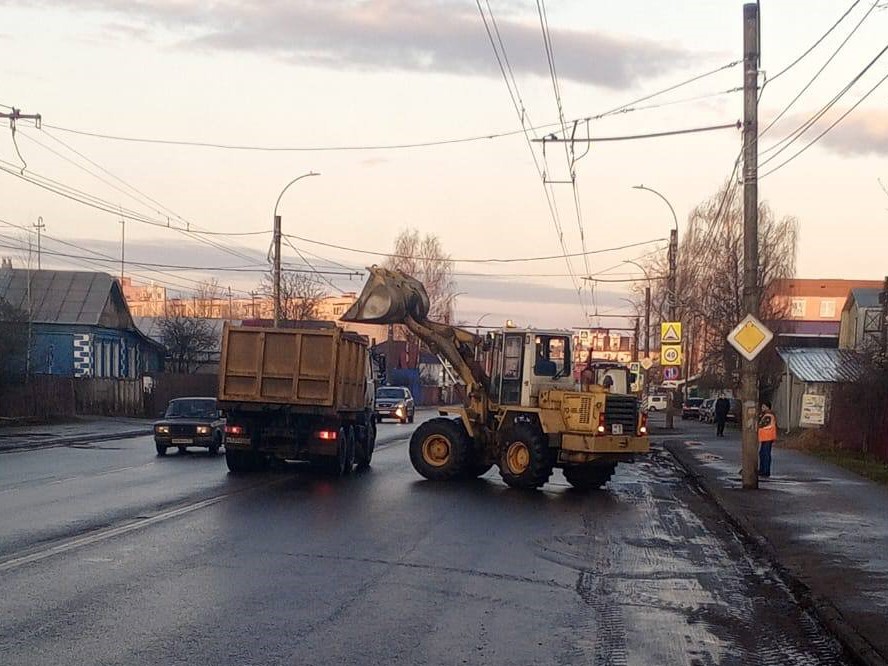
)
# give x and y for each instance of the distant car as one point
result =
(707, 410)
(691, 408)
(394, 402)
(735, 410)
(190, 422)
(655, 403)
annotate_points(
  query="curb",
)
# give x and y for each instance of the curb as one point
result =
(851, 640)
(70, 441)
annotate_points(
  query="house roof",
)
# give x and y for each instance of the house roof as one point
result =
(806, 329)
(816, 365)
(825, 288)
(58, 297)
(866, 297)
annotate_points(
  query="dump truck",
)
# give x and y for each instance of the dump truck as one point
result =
(523, 410)
(302, 392)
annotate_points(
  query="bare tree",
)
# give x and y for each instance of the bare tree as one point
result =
(190, 341)
(206, 295)
(424, 259)
(709, 285)
(301, 294)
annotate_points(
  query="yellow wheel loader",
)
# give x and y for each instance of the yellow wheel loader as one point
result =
(524, 411)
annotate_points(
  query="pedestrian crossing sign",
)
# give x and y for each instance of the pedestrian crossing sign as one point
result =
(670, 332)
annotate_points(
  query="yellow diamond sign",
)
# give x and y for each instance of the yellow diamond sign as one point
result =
(750, 337)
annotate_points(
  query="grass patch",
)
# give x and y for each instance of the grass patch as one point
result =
(825, 447)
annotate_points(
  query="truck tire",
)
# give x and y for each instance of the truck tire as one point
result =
(350, 450)
(241, 462)
(366, 445)
(590, 476)
(438, 449)
(525, 460)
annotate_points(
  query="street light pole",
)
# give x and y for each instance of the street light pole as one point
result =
(671, 290)
(478, 323)
(277, 249)
(647, 308)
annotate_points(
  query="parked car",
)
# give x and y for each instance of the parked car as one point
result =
(394, 402)
(690, 409)
(655, 403)
(735, 411)
(190, 422)
(707, 411)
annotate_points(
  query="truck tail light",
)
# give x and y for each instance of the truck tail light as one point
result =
(602, 425)
(234, 430)
(326, 434)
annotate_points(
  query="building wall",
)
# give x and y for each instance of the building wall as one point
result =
(92, 351)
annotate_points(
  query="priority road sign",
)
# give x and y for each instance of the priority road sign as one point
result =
(670, 355)
(670, 332)
(750, 337)
(647, 363)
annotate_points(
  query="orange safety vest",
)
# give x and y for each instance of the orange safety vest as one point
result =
(768, 428)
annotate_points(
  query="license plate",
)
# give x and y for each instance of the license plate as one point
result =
(617, 428)
(183, 441)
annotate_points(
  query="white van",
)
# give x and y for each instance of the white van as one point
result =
(655, 403)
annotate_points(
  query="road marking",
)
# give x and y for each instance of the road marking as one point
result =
(80, 542)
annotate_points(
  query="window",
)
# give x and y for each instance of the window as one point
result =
(338, 309)
(799, 307)
(827, 308)
(552, 355)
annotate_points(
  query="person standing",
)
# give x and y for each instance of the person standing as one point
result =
(720, 412)
(767, 435)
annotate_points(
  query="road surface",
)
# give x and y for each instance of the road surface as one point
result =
(110, 555)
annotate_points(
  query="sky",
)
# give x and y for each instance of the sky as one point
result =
(372, 74)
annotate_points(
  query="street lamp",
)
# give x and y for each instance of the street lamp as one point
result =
(478, 323)
(647, 308)
(277, 249)
(673, 262)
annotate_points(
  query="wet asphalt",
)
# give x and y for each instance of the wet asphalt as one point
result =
(109, 555)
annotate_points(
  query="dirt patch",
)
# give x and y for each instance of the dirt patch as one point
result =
(826, 447)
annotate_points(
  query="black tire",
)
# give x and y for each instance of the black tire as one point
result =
(410, 418)
(216, 445)
(525, 459)
(379, 419)
(366, 445)
(438, 449)
(241, 462)
(161, 449)
(589, 477)
(350, 451)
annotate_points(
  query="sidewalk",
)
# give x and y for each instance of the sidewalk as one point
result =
(81, 430)
(825, 528)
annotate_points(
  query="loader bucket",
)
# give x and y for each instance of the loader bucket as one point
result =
(388, 298)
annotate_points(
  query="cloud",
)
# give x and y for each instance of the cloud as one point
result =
(439, 36)
(863, 132)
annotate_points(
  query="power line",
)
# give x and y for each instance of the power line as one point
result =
(474, 261)
(632, 137)
(823, 67)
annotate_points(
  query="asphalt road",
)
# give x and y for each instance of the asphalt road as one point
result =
(109, 555)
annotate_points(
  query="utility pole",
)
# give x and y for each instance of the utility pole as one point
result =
(883, 322)
(230, 317)
(39, 227)
(122, 247)
(673, 297)
(647, 321)
(253, 303)
(635, 342)
(749, 388)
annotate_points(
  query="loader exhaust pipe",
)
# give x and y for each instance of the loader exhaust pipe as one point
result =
(389, 297)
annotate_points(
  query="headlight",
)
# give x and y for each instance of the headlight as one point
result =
(203, 430)
(162, 430)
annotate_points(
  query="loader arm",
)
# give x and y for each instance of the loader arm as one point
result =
(392, 297)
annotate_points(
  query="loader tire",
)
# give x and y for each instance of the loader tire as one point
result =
(590, 476)
(525, 458)
(438, 449)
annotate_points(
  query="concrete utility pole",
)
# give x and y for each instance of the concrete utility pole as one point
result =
(751, 296)
(277, 249)
(635, 341)
(39, 227)
(230, 316)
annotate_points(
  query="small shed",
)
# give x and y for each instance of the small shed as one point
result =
(810, 374)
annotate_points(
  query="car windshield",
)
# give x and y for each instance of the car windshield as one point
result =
(391, 393)
(193, 409)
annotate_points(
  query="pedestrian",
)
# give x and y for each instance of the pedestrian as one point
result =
(767, 435)
(720, 413)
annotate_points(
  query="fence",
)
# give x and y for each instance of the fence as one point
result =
(42, 397)
(166, 387)
(108, 396)
(858, 418)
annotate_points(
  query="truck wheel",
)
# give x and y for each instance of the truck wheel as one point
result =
(366, 445)
(589, 476)
(240, 462)
(350, 450)
(438, 449)
(161, 449)
(525, 459)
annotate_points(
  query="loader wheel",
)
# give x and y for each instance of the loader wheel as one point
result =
(438, 449)
(590, 476)
(525, 459)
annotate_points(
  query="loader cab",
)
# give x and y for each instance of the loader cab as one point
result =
(521, 363)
